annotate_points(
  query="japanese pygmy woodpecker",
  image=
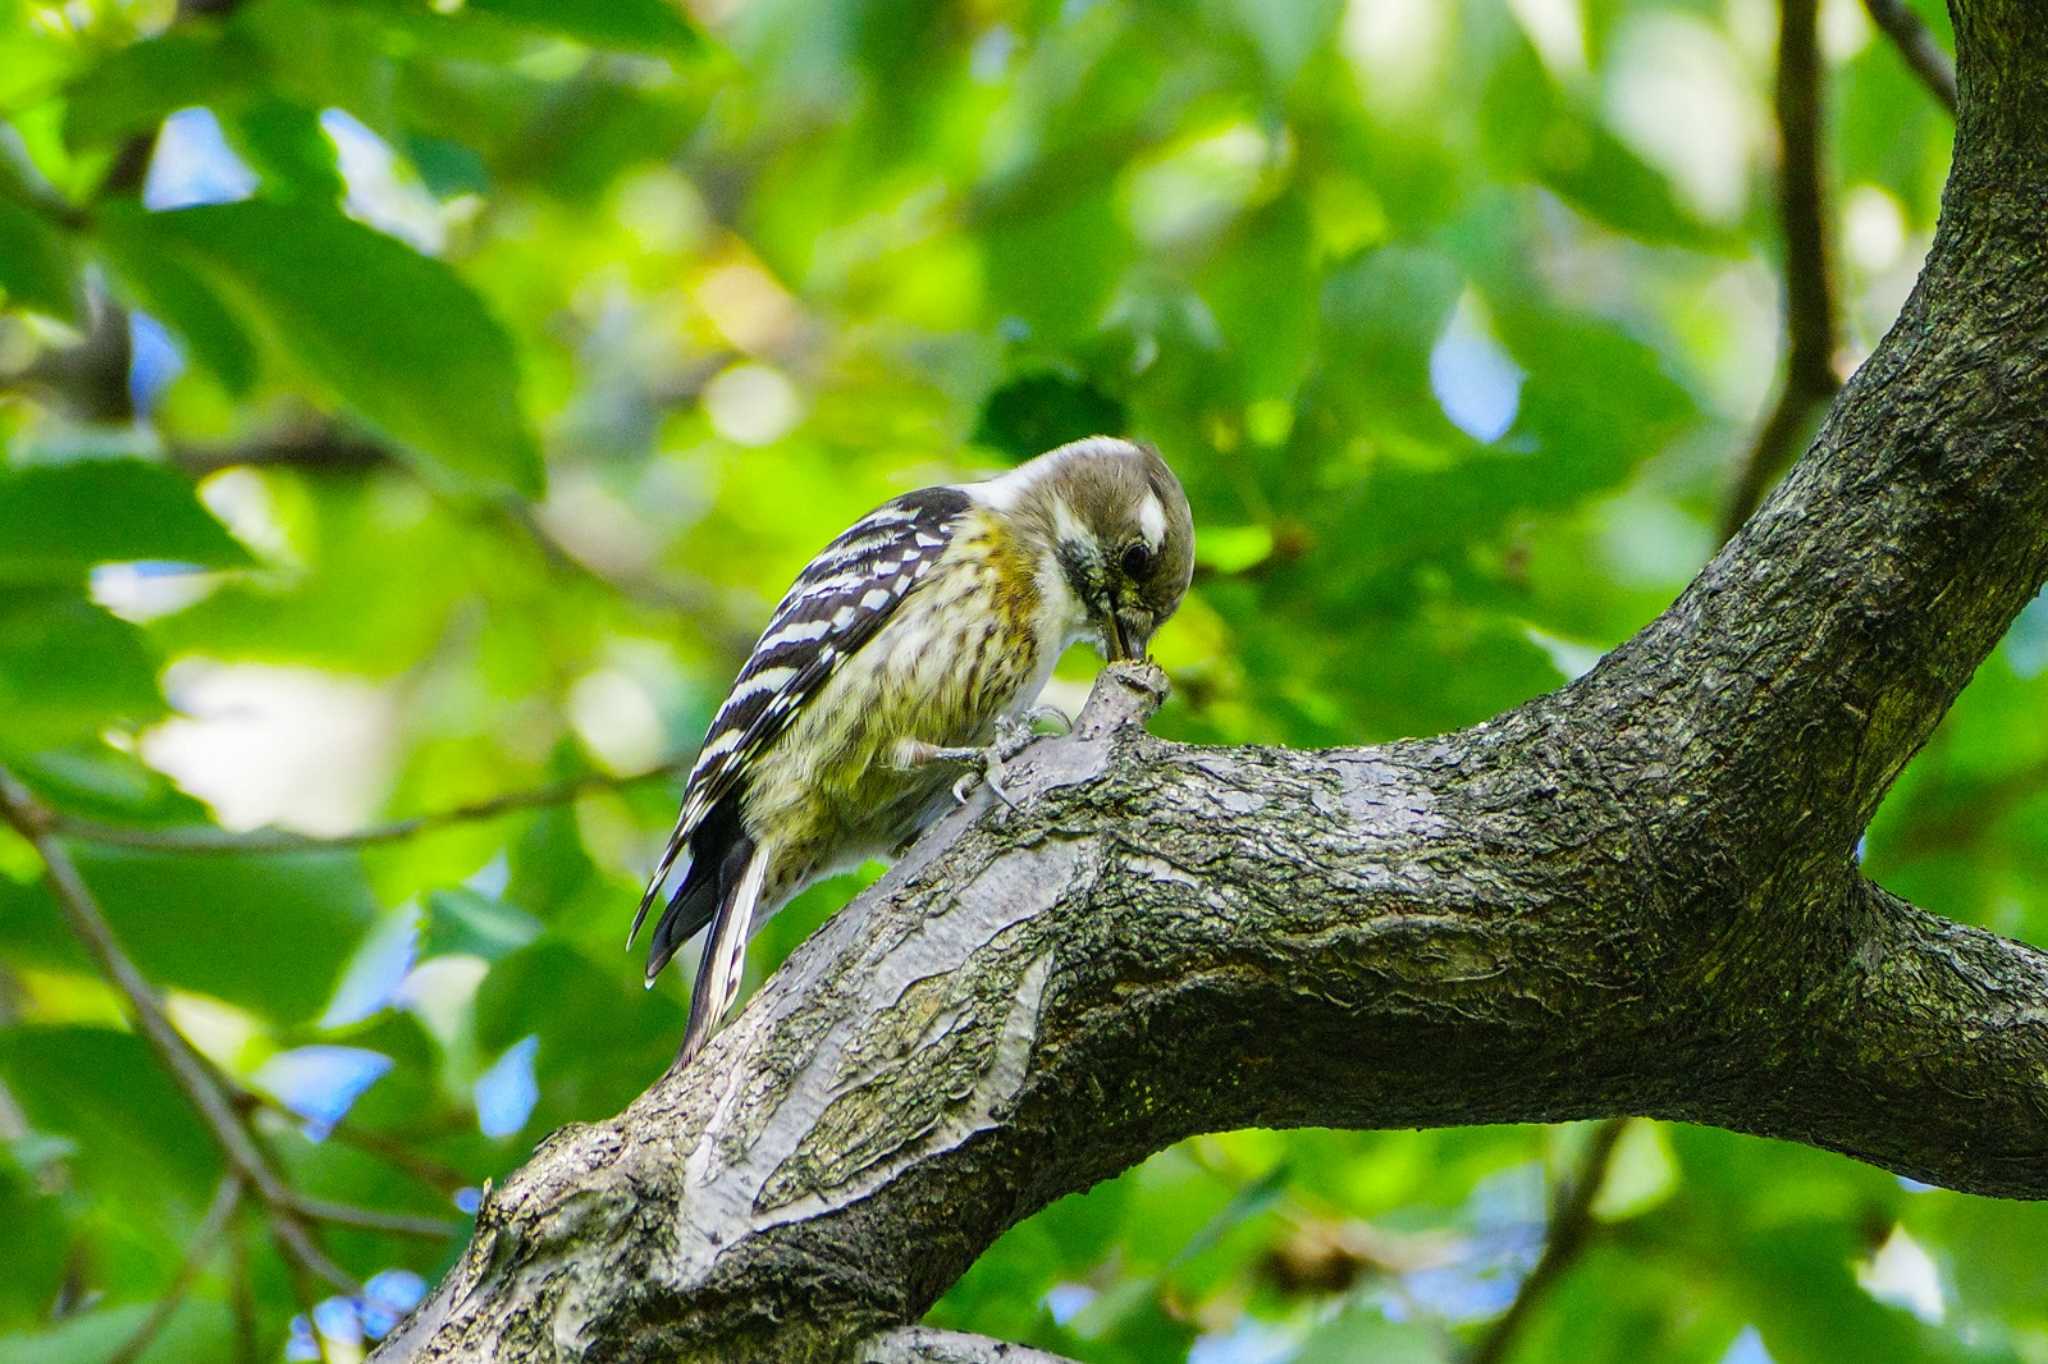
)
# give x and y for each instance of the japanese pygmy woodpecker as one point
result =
(928, 626)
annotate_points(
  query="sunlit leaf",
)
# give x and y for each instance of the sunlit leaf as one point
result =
(396, 334)
(58, 520)
(36, 267)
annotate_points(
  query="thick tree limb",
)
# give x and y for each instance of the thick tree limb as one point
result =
(1636, 895)
(923, 1345)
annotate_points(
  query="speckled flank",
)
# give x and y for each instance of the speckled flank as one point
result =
(975, 642)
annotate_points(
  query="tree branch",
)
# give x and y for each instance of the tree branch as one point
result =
(1917, 46)
(923, 1345)
(268, 841)
(198, 1251)
(1636, 895)
(248, 1164)
(1810, 381)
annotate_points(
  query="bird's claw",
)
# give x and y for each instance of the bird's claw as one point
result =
(1049, 715)
(984, 765)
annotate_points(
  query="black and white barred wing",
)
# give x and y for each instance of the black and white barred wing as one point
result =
(835, 606)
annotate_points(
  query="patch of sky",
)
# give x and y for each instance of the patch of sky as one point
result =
(377, 969)
(154, 360)
(506, 1093)
(193, 164)
(320, 1083)
(1476, 382)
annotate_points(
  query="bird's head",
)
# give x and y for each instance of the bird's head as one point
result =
(1117, 524)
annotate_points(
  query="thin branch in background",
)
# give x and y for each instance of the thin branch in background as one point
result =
(696, 600)
(272, 841)
(288, 1211)
(308, 1301)
(1571, 1229)
(375, 1219)
(242, 1299)
(1918, 47)
(435, 1174)
(327, 448)
(321, 448)
(1810, 379)
(226, 1199)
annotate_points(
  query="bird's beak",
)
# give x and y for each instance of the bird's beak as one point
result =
(1126, 641)
(1113, 637)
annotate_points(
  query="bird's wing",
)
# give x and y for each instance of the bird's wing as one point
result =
(835, 606)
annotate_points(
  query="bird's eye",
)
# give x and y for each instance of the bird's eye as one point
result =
(1137, 560)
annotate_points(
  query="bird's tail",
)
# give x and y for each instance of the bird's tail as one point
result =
(739, 881)
(719, 848)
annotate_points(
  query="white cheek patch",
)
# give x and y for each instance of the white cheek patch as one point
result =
(1152, 521)
(1067, 526)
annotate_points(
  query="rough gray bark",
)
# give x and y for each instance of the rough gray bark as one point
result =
(1636, 895)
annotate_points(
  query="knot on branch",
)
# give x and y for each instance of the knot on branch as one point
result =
(1126, 695)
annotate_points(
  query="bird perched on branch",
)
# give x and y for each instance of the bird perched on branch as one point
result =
(913, 645)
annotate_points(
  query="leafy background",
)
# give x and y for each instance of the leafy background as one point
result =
(409, 406)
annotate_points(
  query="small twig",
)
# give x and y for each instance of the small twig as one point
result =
(1810, 379)
(696, 601)
(82, 912)
(435, 1174)
(337, 450)
(19, 807)
(226, 1199)
(375, 1219)
(320, 448)
(242, 1300)
(1918, 47)
(268, 841)
(1571, 1227)
(303, 1293)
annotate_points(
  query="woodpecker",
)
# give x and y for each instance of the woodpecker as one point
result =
(905, 647)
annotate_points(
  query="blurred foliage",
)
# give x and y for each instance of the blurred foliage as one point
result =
(406, 404)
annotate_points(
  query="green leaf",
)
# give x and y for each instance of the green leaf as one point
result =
(36, 269)
(648, 25)
(132, 1132)
(1286, 33)
(1034, 412)
(286, 145)
(33, 1213)
(1262, 289)
(58, 520)
(460, 920)
(397, 335)
(1381, 315)
(1535, 129)
(1365, 1334)
(198, 1329)
(1052, 266)
(601, 1036)
(171, 290)
(68, 670)
(132, 88)
(267, 933)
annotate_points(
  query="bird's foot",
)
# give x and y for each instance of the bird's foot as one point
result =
(985, 765)
(1043, 714)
